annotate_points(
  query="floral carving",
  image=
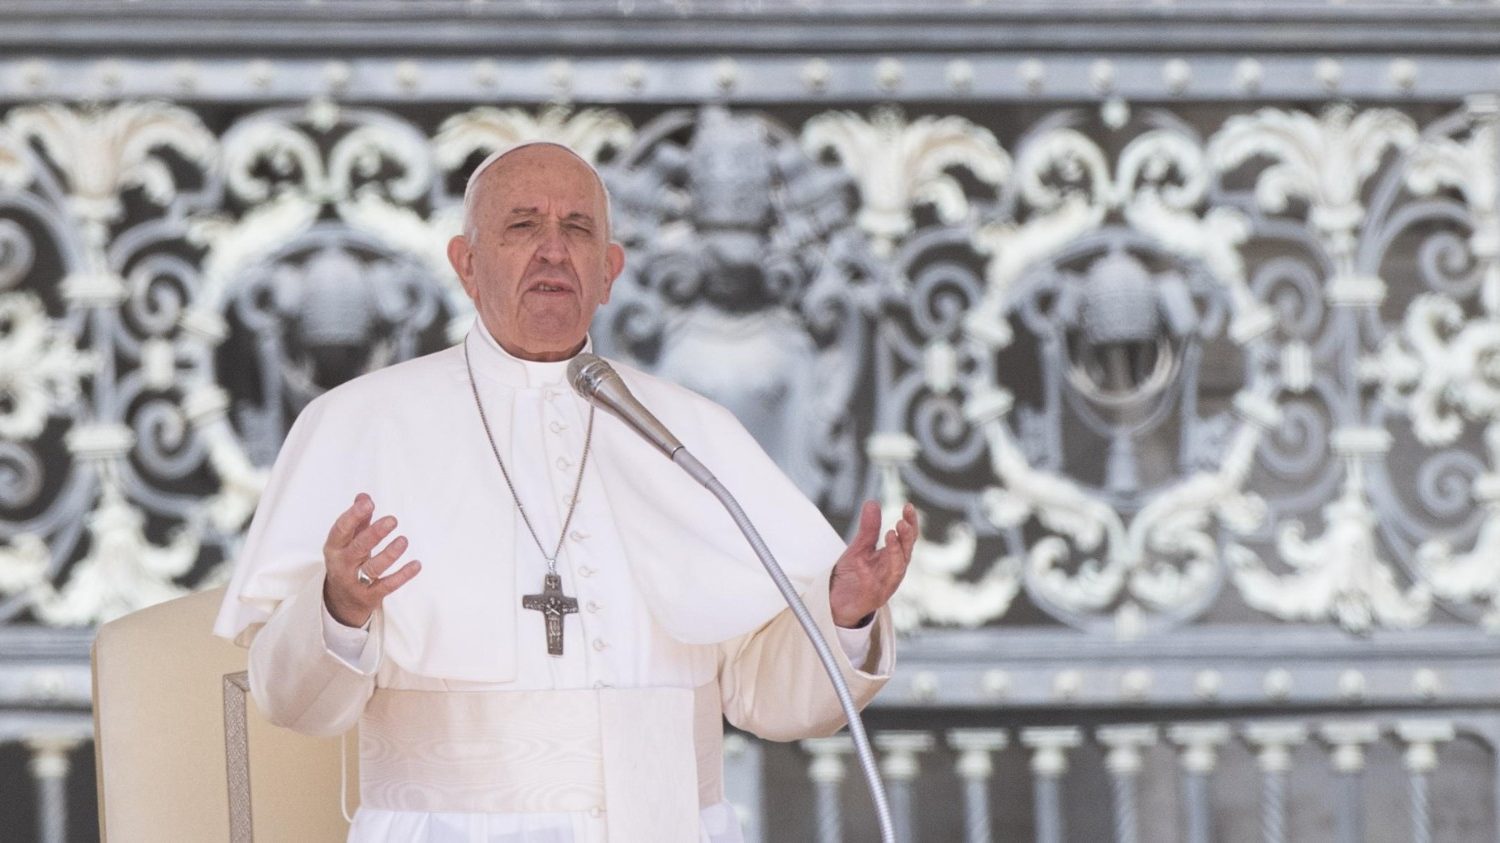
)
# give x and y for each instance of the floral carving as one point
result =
(899, 164)
(40, 368)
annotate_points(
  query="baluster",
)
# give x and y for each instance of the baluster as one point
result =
(826, 769)
(901, 767)
(1421, 738)
(1198, 750)
(49, 769)
(1124, 765)
(742, 764)
(974, 747)
(1049, 761)
(1348, 741)
(1274, 742)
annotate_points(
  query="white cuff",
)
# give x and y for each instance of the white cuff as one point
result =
(856, 643)
(350, 644)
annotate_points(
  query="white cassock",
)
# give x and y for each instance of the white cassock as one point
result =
(469, 730)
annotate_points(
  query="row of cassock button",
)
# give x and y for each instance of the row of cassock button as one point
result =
(564, 464)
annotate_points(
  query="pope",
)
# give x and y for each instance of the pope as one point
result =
(584, 616)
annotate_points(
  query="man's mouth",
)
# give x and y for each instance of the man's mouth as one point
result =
(544, 287)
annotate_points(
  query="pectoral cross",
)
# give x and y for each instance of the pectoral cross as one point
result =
(553, 604)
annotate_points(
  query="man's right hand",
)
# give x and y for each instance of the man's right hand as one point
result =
(347, 550)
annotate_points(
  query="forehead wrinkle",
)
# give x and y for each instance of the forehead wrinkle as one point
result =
(533, 210)
(495, 166)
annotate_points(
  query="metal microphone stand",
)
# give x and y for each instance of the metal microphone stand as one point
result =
(697, 471)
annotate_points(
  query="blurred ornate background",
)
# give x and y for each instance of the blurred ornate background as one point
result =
(1180, 322)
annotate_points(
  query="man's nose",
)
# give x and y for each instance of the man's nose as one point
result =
(552, 248)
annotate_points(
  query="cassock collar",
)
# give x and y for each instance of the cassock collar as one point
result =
(493, 362)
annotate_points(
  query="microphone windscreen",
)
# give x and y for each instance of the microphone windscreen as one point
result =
(586, 371)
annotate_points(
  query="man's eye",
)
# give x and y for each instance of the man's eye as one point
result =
(522, 224)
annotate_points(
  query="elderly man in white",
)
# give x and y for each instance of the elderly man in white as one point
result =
(558, 665)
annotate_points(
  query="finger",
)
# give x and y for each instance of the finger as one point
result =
(370, 536)
(891, 551)
(385, 585)
(869, 527)
(386, 557)
(350, 522)
(906, 531)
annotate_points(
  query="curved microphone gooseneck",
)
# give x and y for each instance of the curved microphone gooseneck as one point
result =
(597, 381)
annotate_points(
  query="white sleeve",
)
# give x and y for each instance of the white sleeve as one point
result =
(296, 678)
(772, 683)
(856, 643)
(352, 646)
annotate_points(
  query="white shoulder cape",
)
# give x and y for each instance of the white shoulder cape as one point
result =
(410, 437)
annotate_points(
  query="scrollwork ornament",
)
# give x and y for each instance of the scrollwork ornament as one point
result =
(1165, 559)
(1445, 483)
(21, 475)
(1324, 160)
(358, 159)
(17, 253)
(268, 157)
(1442, 367)
(1177, 525)
(899, 164)
(122, 571)
(1471, 576)
(1299, 443)
(101, 152)
(1341, 574)
(15, 165)
(932, 592)
(381, 208)
(160, 288)
(1473, 168)
(590, 132)
(40, 368)
(164, 442)
(24, 561)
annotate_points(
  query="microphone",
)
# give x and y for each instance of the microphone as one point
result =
(599, 383)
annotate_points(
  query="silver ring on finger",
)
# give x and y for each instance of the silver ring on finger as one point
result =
(363, 577)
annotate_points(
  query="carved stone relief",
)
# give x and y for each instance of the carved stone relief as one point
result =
(1134, 368)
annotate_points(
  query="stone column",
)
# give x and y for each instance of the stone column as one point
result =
(49, 769)
(1347, 742)
(1273, 743)
(1049, 761)
(1421, 738)
(826, 769)
(1124, 765)
(1198, 745)
(974, 747)
(900, 768)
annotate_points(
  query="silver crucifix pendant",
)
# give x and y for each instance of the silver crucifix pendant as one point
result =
(553, 605)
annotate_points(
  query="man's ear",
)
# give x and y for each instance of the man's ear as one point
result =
(462, 259)
(614, 264)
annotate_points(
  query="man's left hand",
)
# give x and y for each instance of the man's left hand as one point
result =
(866, 576)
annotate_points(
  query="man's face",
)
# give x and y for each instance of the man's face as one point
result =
(540, 262)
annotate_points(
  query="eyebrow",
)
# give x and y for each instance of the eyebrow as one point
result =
(531, 211)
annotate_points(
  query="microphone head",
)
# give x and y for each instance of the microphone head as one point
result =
(599, 384)
(586, 372)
